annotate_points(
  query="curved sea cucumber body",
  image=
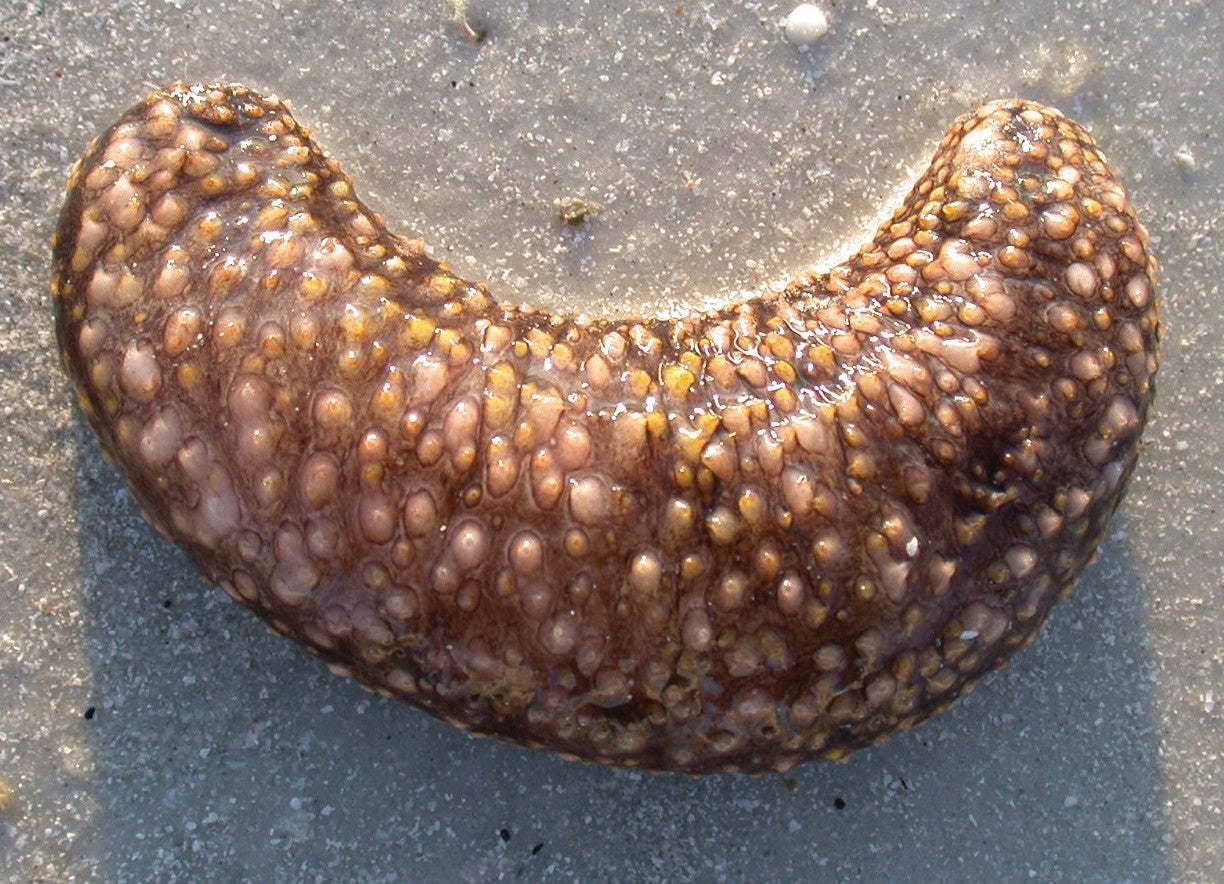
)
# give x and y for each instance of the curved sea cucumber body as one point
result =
(733, 540)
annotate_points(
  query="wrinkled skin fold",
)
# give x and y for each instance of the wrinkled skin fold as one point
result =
(728, 541)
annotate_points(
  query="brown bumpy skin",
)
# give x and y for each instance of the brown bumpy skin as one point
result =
(728, 541)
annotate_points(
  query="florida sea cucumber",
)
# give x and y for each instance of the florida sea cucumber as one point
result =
(728, 541)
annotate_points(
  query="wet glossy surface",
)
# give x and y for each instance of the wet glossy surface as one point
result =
(731, 540)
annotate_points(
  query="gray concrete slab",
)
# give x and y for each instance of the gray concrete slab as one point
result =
(151, 730)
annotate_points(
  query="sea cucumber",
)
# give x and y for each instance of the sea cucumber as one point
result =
(733, 540)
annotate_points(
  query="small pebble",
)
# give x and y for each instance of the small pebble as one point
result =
(806, 24)
(1185, 158)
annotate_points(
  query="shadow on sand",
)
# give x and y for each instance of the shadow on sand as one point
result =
(224, 751)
